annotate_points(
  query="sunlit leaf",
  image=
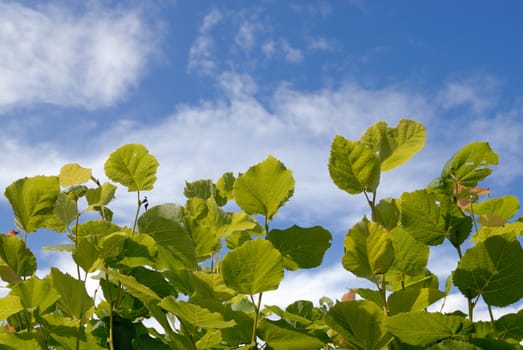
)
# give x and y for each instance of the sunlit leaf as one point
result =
(264, 188)
(387, 213)
(65, 209)
(395, 146)
(368, 249)
(134, 287)
(508, 230)
(225, 185)
(32, 200)
(132, 166)
(211, 286)
(74, 174)
(254, 267)
(360, 324)
(87, 255)
(510, 326)
(492, 269)
(301, 248)
(100, 196)
(353, 167)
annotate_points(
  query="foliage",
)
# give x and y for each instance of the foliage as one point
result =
(200, 271)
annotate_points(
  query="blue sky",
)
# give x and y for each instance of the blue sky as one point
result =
(216, 86)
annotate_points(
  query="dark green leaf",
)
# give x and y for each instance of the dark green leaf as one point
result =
(493, 269)
(280, 336)
(16, 260)
(301, 248)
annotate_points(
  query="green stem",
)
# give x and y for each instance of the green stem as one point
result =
(137, 213)
(256, 319)
(383, 290)
(111, 315)
(372, 204)
(77, 223)
(492, 321)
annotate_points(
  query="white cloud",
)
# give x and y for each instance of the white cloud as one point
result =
(50, 55)
(245, 38)
(201, 53)
(478, 93)
(321, 44)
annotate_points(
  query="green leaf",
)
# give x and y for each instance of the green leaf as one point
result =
(16, 260)
(470, 165)
(493, 269)
(279, 335)
(65, 209)
(205, 219)
(423, 328)
(430, 218)
(225, 185)
(74, 174)
(368, 250)
(510, 326)
(410, 256)
(195, 315)
(301, 248)
(211, 286)
(387, 213)
(203, 189)
(353, 167)
(505, 207)
(509, 231)
(451, 344)
(100, 196)
(87, 255)
(10, 305)
(74, 300)
(359, 322)
(135, 288)
(167, 225)
(96, 229)
(32, 200)
(395, 146)
(264, 188)
(254, 267)
(413, 299)
(132, 166)
(36, 293)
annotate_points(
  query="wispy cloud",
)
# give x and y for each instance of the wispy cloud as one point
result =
(476, 92)
(52, 55)
(282, 49)
(201, 53)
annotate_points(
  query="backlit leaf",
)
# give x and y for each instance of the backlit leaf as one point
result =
(100, 196)
(32, 200)
(10, 305)
(395, 146)
(167, 225)
(254, 267)
(353, 167)
(505, 207)
(279, 335)
(301, 247)
(36, 293)
(423, 328)
(132, 166)
(65, 209)
(195, 315)
(16, 260)
(74, 300)
(471, 164)
(264, 188)
(74, 174)
(413, 299)
(359, 322)
(493, 269)
(368, 250)
(410, 255)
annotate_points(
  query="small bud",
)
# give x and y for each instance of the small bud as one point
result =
(12, 233)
